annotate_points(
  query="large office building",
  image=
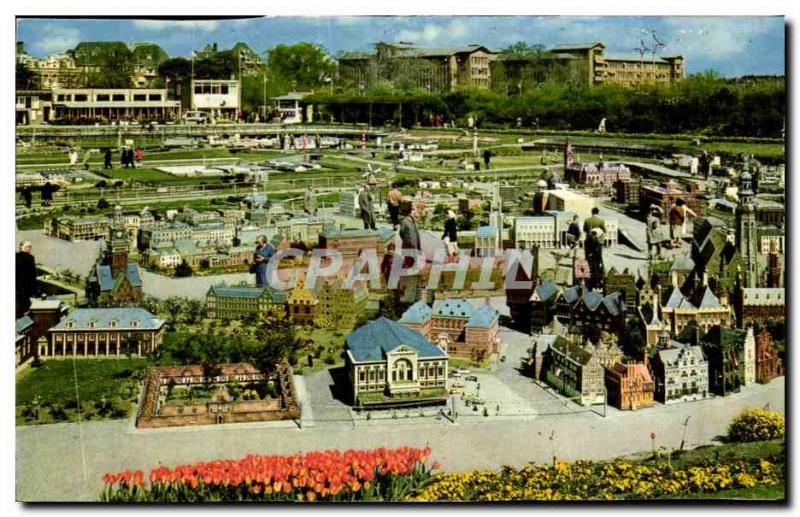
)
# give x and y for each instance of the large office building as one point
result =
(431, 68)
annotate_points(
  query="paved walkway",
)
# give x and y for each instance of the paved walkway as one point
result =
(65, 462)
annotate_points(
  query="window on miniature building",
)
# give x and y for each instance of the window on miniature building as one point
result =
(103, 97)
(120, 97)
(155, 96)
(361, 375)
(139, 97)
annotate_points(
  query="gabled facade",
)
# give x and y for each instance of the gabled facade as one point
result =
(389, 364)
(115, 281)
(630, 386)
(680, 371)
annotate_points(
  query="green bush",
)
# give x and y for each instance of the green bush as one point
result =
(755, 424)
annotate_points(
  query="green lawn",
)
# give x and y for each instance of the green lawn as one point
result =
(61, 381)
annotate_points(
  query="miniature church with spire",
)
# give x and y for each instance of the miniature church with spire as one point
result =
(114, 280)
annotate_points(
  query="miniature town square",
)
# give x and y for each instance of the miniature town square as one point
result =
(417, 245)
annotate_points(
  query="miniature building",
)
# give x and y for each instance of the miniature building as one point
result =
(579, 371)
(768, 362)
(543, 304)
(105, 332)
(597, 173)
(24, 345)
(389, 364)
(539, 355)
(114, 280)
(627, 191)
(349, 242)
(461, 329)
(680, 372)
(78, 228)
(749, 357)
(301, 306)
(591, 310)
(218, 98)
(713, 251)
(340, 306)
(664, 196)
(486, 242)
(157, 410)
(758, 304)
(704, 308)
(624, 283)
(630, 386)
(724, 349)
(230, 302)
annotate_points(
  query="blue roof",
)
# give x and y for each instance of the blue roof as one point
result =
(592, 299)
(486, 231)
(459, 308)
(225, 291)
(102, 318)
(485, 316)
(372, 341)
(417, 314)
(23, 323)
(104, 278)
(133, 275)
(546, 290)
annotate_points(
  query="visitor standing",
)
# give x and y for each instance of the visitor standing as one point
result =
(107, 159)
(261, 256)
(654, 237)
(310, 201)
(26, 283)
(47, 194)
(595, 228)
(393, 200)
(450, 235)
(27, 196)
(139, 154)
(574, 233)
(366, 209)
(678, 214)
(487, 158)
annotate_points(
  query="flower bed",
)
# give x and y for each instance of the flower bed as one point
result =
(585, 480)
(371, 475)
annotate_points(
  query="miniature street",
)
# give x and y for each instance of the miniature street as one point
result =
(491, 442)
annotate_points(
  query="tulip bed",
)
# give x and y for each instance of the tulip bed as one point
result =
(584, 480)
(366, 475)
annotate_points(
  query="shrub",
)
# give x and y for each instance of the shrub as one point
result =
(755, 424)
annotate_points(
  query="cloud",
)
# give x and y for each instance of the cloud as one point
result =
(716, 37)
(58, 40)
(163, 25)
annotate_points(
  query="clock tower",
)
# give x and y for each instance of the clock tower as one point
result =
(746, 230)
(118, 245)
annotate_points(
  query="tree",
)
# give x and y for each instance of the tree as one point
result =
(633, 344)
(102, 203)
(178, 70)
(276, 342)
(174, 306)
(194, 310)
(25, 78)
(304, 66)
(183, 269)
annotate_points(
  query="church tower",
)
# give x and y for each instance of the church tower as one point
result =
(746, 230)
(118, 245)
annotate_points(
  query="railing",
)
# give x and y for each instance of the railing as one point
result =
(191, 130)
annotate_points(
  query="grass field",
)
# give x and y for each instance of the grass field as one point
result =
(58, 384)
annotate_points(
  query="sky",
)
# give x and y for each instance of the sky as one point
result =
(731, 46)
